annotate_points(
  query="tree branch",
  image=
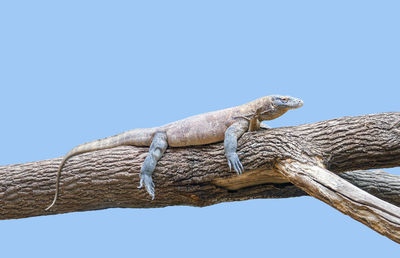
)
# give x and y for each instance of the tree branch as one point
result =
(383, 185)
(379, 215)
(199, 176)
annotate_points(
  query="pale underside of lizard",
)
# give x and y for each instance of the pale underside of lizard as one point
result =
(225, 125)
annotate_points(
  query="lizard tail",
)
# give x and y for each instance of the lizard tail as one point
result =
(58, 181)
(136, 137)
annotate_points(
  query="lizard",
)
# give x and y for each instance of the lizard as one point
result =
(226, 125)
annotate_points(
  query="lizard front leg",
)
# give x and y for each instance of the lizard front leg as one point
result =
(230, 144)
(157, 149)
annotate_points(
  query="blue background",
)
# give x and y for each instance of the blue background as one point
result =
(75, 71)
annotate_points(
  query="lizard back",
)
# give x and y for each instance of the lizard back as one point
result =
(200, 129)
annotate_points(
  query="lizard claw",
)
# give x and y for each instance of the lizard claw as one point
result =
(148, 184)
(140, 183)
(233, 161)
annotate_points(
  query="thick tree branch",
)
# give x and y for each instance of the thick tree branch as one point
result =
(379, 215)
(199, 176)
(383, 185)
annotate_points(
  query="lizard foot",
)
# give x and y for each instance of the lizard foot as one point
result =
(148, 184)
(233, 161)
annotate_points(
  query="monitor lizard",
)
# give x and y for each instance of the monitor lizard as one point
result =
(225, 125)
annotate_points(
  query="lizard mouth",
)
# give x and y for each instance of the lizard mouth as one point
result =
(294, 103)
(300, 103)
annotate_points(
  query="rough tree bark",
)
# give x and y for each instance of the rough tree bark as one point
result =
(199, 176)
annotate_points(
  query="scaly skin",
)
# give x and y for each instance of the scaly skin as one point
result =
(224, 125)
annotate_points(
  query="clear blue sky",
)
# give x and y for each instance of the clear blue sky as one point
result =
(75, 71)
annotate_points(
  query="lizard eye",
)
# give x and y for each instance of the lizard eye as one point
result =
(284, 99)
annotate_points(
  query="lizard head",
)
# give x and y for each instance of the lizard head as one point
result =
(285, 102)
(275, 105)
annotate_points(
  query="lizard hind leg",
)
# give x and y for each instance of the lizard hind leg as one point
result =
(157, 149)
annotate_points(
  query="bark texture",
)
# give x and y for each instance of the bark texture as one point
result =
(199, 176)
(383, 185)
(379, 215)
